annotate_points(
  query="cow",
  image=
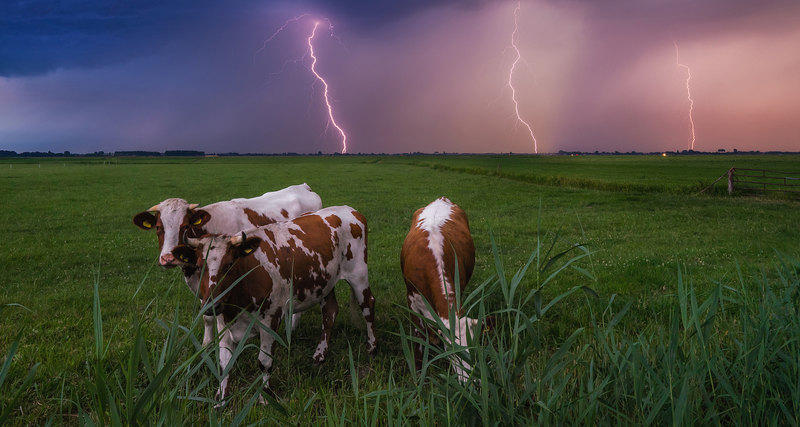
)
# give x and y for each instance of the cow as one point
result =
(439, 236)
(295, 262)
(175, 220)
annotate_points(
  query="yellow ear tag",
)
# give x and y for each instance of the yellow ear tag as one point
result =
(183, 258)
(247, 250)
(199, 220)
(147, 224)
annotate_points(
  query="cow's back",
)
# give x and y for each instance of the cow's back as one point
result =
(236, 215)
(438, 236)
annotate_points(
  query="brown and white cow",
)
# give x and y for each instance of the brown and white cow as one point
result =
(175, 220)
(307, 255)
(439, 236)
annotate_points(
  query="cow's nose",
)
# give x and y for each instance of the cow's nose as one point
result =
(167, 260)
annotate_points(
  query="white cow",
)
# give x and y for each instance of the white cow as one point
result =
(175, 220)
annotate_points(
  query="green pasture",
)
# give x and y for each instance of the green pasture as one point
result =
(67, 225)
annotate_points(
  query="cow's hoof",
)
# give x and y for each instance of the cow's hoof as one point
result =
(220, 401)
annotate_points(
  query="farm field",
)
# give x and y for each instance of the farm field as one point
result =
(672, 174)
(67, 225)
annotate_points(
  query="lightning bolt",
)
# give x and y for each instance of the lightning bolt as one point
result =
(278, 31)
(331, 119)
(688, 92)
(517, 58)
(313, 68)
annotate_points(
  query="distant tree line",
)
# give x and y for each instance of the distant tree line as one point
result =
(196, 153)
(168, 153)
(677, 152)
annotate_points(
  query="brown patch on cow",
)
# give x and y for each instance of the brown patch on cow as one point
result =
(303, 267)
(256, 218)
(355, 230)
(368, 305)
(284, 213)
(349, 253)
(334, 221)
(251, 293)
(315, 235)
(160, 233)
(361, 218)
(188, 270)
(420, 271)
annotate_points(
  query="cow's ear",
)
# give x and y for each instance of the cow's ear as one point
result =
(145, 220)
(185, 254)
(198, 217)
(248, 246)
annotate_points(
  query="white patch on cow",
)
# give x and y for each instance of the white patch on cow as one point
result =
(432, 219)
(322, 348)
(171, 213)
(461, 328)
(208, 330)
(213, 250)
(229, 217)
(296, 320)
(418, 304)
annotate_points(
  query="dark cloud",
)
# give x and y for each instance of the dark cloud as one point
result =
(39, 36)
(416, 75)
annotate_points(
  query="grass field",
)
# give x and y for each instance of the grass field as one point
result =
(67, 224)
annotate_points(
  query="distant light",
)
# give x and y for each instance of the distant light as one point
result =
(663, 154)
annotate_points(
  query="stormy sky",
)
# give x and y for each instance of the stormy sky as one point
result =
(417, 75)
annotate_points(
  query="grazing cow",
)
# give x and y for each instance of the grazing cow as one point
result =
(439, 236)
(175, 220)
(307, 255)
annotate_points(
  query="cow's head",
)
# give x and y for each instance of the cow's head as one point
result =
(174, 220)
(216, 256)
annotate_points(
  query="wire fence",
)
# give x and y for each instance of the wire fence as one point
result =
(741, 179)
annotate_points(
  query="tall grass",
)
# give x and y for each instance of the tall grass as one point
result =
(13, 390)
(167, 382)
(730, 356)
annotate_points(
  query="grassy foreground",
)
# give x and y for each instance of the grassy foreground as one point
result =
(69, 228)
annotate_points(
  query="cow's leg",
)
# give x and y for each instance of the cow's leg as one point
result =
(355, 309)
(208, 330)
(330, 308)
(267, 340)
(419, 327)
(226, 344)
(359, 285)
(295, 320)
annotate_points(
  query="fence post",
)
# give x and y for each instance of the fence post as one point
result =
(730, 181)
